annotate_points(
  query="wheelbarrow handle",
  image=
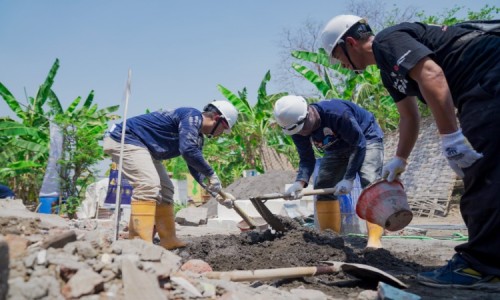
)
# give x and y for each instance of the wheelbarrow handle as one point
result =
(283, 195)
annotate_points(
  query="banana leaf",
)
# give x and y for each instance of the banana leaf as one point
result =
(45, 88)
(12, 102)
(314, 78)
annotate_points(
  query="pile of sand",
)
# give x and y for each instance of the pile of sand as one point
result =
(270, 182)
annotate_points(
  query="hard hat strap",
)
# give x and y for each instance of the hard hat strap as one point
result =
(217, 123)
(342, 45)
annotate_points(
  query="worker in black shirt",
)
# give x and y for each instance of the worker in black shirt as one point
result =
(446, 67)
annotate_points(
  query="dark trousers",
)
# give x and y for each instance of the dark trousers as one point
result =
(334, 165)
(480, 203)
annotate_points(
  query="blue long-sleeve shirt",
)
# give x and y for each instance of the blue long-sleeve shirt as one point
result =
(168, 134)
(344, 125)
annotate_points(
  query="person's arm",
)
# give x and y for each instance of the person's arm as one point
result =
(349, 131)
(306, 156)
(189, 144)
(306, 167)
(409, 122)
(434, 88)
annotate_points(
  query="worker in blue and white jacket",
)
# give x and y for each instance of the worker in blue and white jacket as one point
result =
(161, 135)
(352, 142)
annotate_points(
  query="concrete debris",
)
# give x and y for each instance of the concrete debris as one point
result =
(84, 282)
(368, 295)
(185, 284)
(17, 245)
(308, 294)
(60, 240)
(138, 284)
(81, 261)
(196, 266)
(192, 216)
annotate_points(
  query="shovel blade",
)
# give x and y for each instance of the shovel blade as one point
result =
(368, 273)
(270, 218)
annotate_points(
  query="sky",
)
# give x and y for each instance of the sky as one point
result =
(177, 51)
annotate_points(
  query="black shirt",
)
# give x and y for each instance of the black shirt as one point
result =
(464, 60)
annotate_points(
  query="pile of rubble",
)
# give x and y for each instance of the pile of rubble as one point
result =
(81, 261)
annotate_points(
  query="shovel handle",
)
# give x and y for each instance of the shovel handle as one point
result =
(305, 193)
(269, 274)
(250, 222)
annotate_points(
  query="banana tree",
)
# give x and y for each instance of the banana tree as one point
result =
(25, 142)
(365, 89)
(82, 130)
(255, 126)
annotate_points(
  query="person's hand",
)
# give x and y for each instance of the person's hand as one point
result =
(458, 151)
(393, 168)
(293, 192)
(225, 199)
(214, 184)
(343, 187)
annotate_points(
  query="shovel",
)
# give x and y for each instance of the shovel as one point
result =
(259, 204)
(359, 271)
(250, 222)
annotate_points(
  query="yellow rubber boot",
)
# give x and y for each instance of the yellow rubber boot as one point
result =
(375, 233)
(328, 213)
(142, 219)
(165, 225)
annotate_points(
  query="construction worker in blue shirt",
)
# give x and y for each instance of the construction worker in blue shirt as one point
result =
(353, 144)
(161, 135)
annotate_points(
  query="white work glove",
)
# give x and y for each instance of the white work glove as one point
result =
(214, 185)
(227, 200)
(293, 192)
(343, 187)
(459, 152)
(394, 168)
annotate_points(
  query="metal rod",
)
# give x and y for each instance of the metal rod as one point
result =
(122, 142)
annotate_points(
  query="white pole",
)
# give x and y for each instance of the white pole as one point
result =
(119, 181)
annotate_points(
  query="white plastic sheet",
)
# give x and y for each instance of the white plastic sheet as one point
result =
(51, 179)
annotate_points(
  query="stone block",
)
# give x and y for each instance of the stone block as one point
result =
(192, 216)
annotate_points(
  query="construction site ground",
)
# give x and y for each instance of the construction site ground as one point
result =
(56, 258)
(402, 256)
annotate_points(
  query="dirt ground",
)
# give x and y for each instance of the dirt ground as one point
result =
(402, 256)
(303, 246)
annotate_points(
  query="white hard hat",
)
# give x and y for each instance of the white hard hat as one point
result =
(227, 110)
(290, 113)
(335, 29)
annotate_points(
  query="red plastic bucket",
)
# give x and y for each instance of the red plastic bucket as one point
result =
(385, 203)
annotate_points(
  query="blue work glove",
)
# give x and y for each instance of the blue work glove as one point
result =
(343, 187)
(293, 192)
(459, 152)
(394, 168)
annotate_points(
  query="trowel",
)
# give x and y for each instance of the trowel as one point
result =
(359, 271)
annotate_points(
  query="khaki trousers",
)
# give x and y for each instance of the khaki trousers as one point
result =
(147, 175)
